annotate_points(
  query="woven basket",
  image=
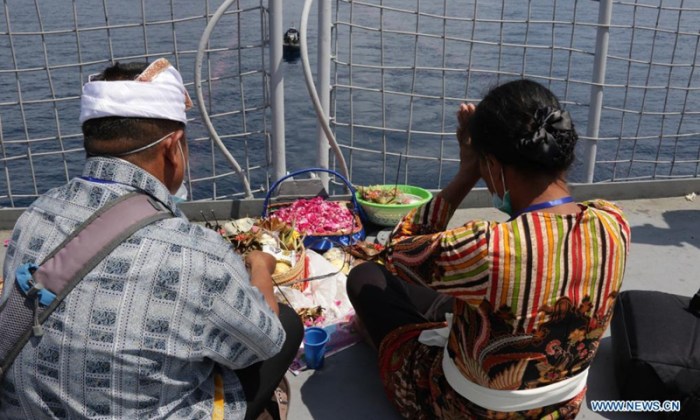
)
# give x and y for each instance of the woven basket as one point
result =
(297, 272)
(325, 242)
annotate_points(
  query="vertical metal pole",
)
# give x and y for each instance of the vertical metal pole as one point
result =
(323, 85)
(596, 101)
(279, 162)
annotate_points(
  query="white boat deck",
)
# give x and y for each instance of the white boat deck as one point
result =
(663, 256)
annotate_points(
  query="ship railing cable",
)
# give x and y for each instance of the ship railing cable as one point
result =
(308, 79)
(203, 42)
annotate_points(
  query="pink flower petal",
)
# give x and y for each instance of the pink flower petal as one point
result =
(316, 216)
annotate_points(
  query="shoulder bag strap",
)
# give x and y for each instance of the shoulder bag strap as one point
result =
(66, 266)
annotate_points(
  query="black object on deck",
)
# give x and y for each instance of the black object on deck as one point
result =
(656, 345)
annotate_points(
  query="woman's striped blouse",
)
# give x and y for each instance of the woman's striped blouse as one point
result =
(534, 295)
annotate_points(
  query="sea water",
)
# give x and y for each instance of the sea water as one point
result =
(405, 117)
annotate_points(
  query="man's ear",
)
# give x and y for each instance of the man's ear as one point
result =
(172, 148)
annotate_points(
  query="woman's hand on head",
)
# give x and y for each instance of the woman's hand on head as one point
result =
(468, 159)
(468, 174)
(463, 115)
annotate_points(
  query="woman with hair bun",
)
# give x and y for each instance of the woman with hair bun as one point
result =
(497, 319)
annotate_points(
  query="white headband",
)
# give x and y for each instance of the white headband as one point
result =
(157, 93)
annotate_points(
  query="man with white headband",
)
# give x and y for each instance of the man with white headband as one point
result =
(172, 323)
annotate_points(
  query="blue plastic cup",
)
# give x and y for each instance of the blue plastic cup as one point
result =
(315, 340)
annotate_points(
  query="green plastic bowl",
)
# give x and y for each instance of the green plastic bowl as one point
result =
(391, 214)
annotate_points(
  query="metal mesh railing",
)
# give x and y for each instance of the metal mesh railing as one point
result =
(651, 103)
(47, 50)
(402, 67)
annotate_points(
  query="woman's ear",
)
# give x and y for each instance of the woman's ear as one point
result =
(492, 163)
(492, 169)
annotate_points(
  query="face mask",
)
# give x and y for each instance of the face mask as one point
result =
(502, 204)
(181, 194)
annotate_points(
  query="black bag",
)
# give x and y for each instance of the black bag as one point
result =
(656, 346)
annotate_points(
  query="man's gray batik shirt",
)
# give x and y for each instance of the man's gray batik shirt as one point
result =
(141, 334)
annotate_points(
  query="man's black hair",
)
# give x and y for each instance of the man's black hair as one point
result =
(119, 71)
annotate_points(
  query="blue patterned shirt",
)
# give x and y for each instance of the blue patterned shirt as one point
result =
(142, 333)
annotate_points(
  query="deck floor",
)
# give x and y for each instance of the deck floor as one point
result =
(663, 256)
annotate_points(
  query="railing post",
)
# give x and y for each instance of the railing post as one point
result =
(323, 82)
(596, 100)
(279, 162)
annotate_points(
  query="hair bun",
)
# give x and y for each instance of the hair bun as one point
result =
(551, 142)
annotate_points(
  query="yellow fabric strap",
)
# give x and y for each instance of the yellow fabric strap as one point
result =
(218, 411)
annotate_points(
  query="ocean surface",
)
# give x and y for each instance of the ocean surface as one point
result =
(649, 126)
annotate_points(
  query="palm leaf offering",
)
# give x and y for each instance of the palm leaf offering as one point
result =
(386, 194)
(270, 235)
